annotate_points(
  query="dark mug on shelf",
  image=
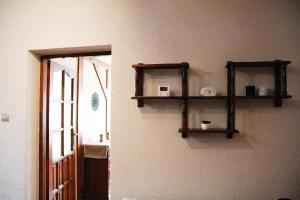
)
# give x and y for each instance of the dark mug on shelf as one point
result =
(250, 90)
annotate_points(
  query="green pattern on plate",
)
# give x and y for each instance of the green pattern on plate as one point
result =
(95, 101)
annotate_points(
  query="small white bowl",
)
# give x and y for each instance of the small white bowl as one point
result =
(206, 125)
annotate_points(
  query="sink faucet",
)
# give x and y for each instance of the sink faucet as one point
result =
(101, 138)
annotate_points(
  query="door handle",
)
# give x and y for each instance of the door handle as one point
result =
(76, 134)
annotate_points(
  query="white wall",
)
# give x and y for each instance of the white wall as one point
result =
(149, 159)
(93, 121)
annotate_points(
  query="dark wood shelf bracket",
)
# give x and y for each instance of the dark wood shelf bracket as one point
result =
(278, 79)
(139, 85)
(230, 100)
(280, 75)
(184, 75)
(284, 80)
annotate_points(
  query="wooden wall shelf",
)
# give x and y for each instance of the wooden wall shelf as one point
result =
(261, 97)
(211, 130)
(208, 98)
(280, 75)
(178, 97)
(155, 97)
(276, 63)
(162, 66)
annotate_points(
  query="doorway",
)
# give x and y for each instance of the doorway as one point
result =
(63, 124)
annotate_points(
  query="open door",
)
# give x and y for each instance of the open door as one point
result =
(58, 132)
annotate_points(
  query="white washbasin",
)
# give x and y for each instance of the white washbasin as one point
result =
(98, 151)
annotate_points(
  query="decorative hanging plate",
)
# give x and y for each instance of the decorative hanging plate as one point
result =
(95, 101)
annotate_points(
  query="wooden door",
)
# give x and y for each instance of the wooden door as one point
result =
(58, 131)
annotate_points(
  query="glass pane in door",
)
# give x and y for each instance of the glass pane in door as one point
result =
(68, 87)
(67, 115)
(67, 141)
(55, 116)
(56, 145)
(57, 85)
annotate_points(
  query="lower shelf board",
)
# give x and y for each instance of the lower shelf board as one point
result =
(262, 97)
(211, 130)
(207, 97)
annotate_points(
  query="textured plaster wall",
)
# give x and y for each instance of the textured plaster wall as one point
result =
(149, 159)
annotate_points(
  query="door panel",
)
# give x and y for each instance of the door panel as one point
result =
(60, 137)
(61, 133)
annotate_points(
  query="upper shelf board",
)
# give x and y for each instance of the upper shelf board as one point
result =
(162, 66)
(211, 97)
(257, 64)
(179, 97)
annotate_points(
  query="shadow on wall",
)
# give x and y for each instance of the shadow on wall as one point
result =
(246, 121)
(161, 110)
(218, 141)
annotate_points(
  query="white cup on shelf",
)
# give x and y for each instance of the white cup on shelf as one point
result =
(205, 124)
